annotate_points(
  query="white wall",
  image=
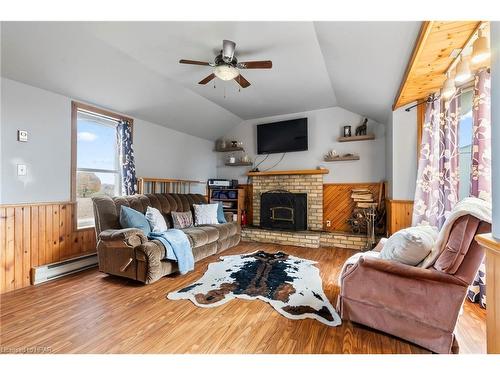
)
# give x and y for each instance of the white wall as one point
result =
(167, 153)
(159, 151)
(324, 126)
(47, 118)
(402, 152)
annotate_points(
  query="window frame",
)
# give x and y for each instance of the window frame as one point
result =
(75, 107)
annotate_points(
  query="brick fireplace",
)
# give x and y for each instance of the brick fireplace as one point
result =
(309, 182)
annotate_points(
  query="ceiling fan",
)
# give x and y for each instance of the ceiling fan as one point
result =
(226, 65)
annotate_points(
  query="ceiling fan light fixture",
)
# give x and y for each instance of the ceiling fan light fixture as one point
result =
(226, 72)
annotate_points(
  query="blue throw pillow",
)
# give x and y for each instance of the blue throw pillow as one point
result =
(130, 218)
(220, 214)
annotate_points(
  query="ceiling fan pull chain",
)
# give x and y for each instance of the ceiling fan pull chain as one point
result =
(224, 91)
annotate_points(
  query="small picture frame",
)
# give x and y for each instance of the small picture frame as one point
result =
(347, 131)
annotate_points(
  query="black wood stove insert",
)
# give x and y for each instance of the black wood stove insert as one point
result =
(282, 210)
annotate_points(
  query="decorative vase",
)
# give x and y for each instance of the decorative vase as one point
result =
(221, 144)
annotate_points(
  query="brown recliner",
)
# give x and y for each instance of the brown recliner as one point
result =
(129, 253)
(417, 304)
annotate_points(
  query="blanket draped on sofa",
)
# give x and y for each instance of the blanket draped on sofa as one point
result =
(177, 248)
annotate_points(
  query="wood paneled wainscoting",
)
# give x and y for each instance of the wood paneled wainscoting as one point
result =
(338, 204)
(36, 234)
(399, 214)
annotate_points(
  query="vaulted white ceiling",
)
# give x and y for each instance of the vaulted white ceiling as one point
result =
(132, 67)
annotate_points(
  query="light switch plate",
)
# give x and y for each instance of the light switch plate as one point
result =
(21, 170)
(22, 135)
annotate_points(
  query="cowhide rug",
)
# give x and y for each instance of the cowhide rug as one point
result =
(289, 284)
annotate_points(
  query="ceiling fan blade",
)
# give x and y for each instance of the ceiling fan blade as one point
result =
(266, 64)
(228, 47)
(193, 62)
(207, 79)
(242, 81)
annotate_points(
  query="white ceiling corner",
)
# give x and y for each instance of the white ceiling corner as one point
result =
(366, 62)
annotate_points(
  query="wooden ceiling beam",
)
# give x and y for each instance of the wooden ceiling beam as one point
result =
(425, 30)
(431, 58)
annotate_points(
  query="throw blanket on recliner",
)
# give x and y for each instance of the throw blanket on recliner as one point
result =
(177, 248)
(476, 207)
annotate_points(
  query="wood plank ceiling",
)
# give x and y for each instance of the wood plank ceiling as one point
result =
(431, 58)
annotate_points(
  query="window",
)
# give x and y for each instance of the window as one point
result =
(96, 165)
(465, 144)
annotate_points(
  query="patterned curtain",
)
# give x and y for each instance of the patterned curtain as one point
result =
(129, 181)
(448, 158)
(481, 137)
(437, 178)
(481, 165)
(425, 210)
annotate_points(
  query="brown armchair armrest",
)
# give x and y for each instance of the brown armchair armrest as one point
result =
(130, 236)
(404, 270)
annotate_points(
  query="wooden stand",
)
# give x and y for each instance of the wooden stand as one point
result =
(492, 248)
(237, 204)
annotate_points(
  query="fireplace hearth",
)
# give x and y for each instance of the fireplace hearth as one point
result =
(283, 210)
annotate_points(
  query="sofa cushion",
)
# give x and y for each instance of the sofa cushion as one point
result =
(105, 214)
(410, 245)
(182, 220)
(225, 230)
(220, 214)
(156, 220)
(130, 218)
(205, 214)
(199, 236)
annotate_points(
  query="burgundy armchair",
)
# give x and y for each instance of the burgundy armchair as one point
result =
(416, 304)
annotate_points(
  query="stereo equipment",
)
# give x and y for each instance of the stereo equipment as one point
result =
(218, 183)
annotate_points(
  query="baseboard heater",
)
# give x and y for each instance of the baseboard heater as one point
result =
(56, 270)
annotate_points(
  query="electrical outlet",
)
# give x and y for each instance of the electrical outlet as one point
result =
(328, 223)
(22, 136)
(21, 170)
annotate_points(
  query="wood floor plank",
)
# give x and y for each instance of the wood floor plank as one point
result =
(91, 312)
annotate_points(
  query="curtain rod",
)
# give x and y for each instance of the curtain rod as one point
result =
(433, 97)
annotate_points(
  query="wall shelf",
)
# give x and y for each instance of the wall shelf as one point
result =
(355, 138)
(229, 149)
(342, 158)
(239, 164)
(293, 172)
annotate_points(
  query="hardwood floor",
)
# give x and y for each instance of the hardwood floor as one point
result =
(91, 312)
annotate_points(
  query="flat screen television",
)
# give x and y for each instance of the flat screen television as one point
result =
(283, 136)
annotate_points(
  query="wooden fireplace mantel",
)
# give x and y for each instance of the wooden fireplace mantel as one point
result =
(292, 172)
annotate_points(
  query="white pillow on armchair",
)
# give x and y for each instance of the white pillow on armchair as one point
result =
(410, 245)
